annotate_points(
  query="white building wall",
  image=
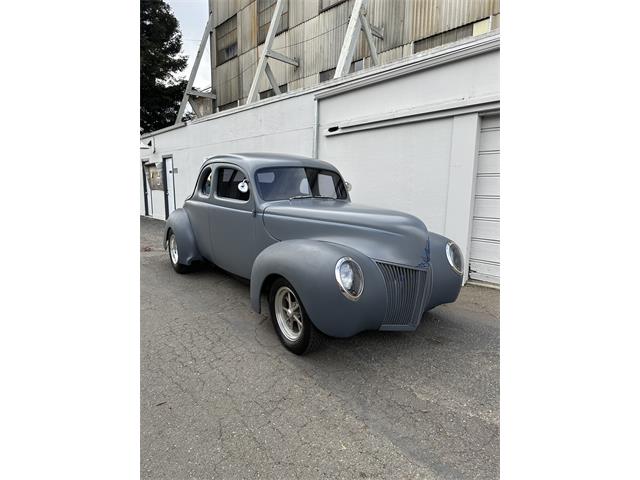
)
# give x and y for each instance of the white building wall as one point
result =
(411, 143)
(281, 126)
(406, 142)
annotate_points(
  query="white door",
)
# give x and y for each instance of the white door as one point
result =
(170, 190)
(484, 259)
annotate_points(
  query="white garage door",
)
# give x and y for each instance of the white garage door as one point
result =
(484, 259)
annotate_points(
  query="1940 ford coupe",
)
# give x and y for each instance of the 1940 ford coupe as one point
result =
(325, 264)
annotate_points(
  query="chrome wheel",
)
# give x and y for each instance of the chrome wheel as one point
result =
(288, 313)
(173, 249)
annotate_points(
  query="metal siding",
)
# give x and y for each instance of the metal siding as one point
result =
(296, 50)
(430, 17)
(391, 17)
(484, 258)
(315, 39)
(247, 28)
(296, 12)
(248, 66)
(228, 81)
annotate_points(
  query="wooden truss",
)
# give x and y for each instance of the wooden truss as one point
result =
(189, 91)
(358, 21)
(267, 52)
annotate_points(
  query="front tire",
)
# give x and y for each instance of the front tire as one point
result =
(292, 324)
(174, 257)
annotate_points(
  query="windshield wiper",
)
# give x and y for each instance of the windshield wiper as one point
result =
(295, 197)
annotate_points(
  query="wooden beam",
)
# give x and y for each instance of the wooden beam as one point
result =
(272, 79)
(369, 36)
(262, 63)
(282, 58)
(196, 93)
(350, 39)
(377, 31)
(194, 70)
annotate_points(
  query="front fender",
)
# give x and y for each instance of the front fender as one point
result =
(309, 265)
(446, 281)
(179, 223)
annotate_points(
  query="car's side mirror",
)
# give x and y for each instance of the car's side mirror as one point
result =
(243, 186)
(347, 185)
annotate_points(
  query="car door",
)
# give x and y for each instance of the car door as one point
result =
(198, 207)
(232, 221)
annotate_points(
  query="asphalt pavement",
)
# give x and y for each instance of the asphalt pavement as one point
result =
(222, 399)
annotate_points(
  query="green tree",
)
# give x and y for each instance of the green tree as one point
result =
(160, 60)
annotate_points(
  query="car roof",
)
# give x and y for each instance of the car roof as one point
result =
(254, 161)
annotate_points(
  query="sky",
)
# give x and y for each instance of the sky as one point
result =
(192, 15)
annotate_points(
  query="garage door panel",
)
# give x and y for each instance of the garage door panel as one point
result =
(488, 186)
(485, 250)
(490, 140)
(486, 272)
(488, 163)
(486, 229)
(491, 122)
(487, 208)
(484, 261)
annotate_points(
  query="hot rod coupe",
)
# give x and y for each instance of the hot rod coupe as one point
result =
(287, 224)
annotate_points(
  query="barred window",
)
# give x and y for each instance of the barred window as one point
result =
(265, 12)
(226, 40)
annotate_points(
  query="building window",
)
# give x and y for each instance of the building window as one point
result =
(327, 4)
(270, 93)
(327, 75)
(226, 40)
(469, 30)
(355, 67)
(228, 106)
(154, 176)
(265, 12)
(227, 185)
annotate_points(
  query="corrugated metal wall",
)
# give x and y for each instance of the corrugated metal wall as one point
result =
(315, 38)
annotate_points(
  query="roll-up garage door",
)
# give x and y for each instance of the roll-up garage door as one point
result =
(484, 259)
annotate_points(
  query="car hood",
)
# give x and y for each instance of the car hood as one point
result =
(385, 235)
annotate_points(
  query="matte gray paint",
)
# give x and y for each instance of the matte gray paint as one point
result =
(446, 281)
(310, 267)
(179, 223)
(385, 235)
(302, 240)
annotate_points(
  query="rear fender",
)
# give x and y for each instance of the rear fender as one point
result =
(179, 223)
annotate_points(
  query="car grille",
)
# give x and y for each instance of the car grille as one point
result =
(408, 290)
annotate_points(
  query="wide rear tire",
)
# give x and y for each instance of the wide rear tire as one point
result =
(174, 256)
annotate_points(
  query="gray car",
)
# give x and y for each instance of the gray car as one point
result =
(325, 264)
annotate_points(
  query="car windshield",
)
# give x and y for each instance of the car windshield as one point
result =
(289, 183)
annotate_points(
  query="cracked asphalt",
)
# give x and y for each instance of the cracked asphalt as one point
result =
(222, 399)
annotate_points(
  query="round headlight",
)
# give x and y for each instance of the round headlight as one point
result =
(349, 277)
(454, 255)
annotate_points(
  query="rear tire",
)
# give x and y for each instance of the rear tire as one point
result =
(290, 319)
(174, 256)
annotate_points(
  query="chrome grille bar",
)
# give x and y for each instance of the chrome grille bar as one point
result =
(408, 290)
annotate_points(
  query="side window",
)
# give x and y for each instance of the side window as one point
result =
(326, 186)
(227, 184)
(204, 185)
